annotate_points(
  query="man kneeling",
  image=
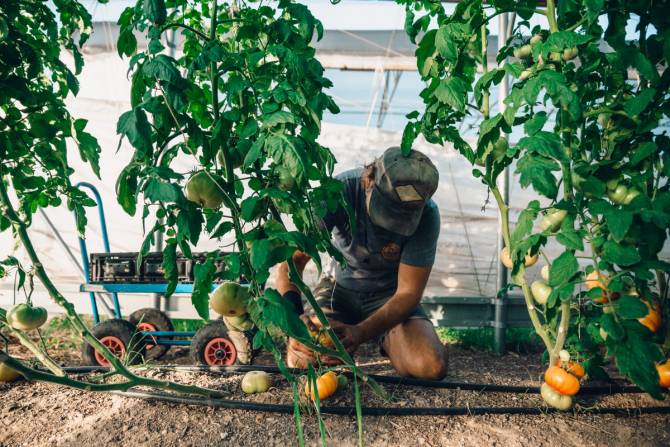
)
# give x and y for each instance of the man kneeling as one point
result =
(389, 257)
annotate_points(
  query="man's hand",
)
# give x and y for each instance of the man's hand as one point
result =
(300, 356)
(350, 335)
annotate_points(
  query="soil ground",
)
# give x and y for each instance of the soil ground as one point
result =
(37, 414)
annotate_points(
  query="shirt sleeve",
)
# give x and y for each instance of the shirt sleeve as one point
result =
(419, 250)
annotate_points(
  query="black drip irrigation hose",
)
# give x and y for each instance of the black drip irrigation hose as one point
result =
(395, 380)
(347, 410)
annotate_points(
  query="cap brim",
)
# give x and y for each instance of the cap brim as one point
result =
(387, 214)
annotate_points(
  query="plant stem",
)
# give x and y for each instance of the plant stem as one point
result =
(186, 27)
(485, 68)
(520, 277)
(562, 332)
(35, 350)
(551, 16)
(78, 325)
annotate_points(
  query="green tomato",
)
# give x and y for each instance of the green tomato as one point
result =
(239, 323)
(570, 53)
(618, 195)
(25, 317)
(229, 299)
(612, 184)
(205, 189)
(525, 74)
(544, 273)
(540, 291)
(7, 374)
(523, 52)
(537, 38)
(554, 399)
(632, 193)
(555, 56)
(235, 157)
(552, 220)
(256, 382)
(342, 381)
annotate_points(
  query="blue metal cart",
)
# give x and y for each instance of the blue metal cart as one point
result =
(148, 333)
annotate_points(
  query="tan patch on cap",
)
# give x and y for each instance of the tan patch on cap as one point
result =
(408, 193)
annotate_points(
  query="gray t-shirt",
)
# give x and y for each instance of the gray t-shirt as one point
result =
(374, 254)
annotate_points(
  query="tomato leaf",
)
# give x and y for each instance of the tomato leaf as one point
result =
(618, 222)
(571, 240)
(637, 104)
(636, 358)
(170, 267)
(538, 172)
(563, 269)
(159, 191)
(202, 286)
(453, 91)
(524, 224)
(630, 307)
(135, 126)
(620, 254)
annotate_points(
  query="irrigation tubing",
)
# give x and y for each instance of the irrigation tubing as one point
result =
(346, 410)
(395, 380)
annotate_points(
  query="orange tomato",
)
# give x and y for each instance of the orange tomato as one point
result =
(664, 374)
(326, 385)
(576, 369)
(593, 280)
(652, 320)
(561, 381)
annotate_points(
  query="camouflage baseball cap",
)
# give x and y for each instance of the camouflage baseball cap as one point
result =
(403, 185)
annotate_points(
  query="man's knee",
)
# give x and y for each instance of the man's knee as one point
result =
(431, 366)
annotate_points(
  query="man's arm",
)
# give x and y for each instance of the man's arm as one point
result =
(411, 284)
(283, 283)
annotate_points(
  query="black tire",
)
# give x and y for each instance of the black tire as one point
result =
(160, 321)
(215, 330)
(120, 332)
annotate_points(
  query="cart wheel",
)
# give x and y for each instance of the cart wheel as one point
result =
(119, 337)
(150, 319)
(212, 346)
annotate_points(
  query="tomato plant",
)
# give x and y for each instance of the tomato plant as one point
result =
(35, 129)
(589, 101)
(243, 102)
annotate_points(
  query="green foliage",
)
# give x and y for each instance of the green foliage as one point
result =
(601, 157)
(243, 102)
(35, 125)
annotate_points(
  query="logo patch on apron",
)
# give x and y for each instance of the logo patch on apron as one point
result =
(391, 251)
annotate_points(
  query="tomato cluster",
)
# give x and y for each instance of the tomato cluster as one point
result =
(561, 382)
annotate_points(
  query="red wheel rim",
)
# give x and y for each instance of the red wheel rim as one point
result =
(148, 327)
(220, 352)
(115, 345)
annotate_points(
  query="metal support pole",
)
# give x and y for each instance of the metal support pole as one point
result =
(73, 258)
(500, 322)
